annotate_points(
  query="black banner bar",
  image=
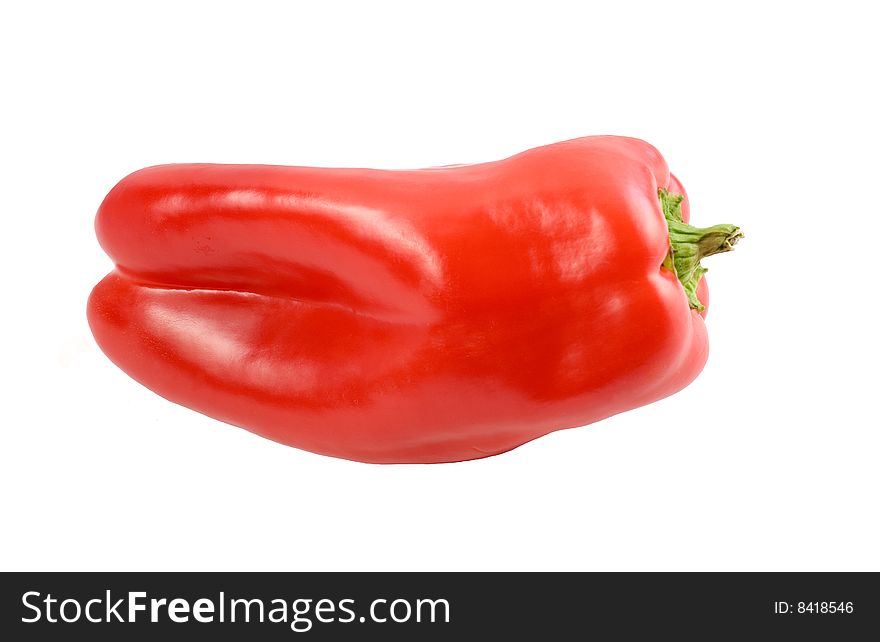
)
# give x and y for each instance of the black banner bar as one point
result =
(435, 606)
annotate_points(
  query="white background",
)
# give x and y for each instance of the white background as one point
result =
(768, 112)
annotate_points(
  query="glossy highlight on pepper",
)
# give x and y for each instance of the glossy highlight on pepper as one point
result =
(409, 316)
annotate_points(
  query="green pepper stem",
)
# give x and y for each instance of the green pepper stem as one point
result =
(688, 245)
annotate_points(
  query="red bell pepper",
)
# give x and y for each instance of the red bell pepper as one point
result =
(430, 315)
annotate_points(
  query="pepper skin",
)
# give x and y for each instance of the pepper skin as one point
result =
(430, 315)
